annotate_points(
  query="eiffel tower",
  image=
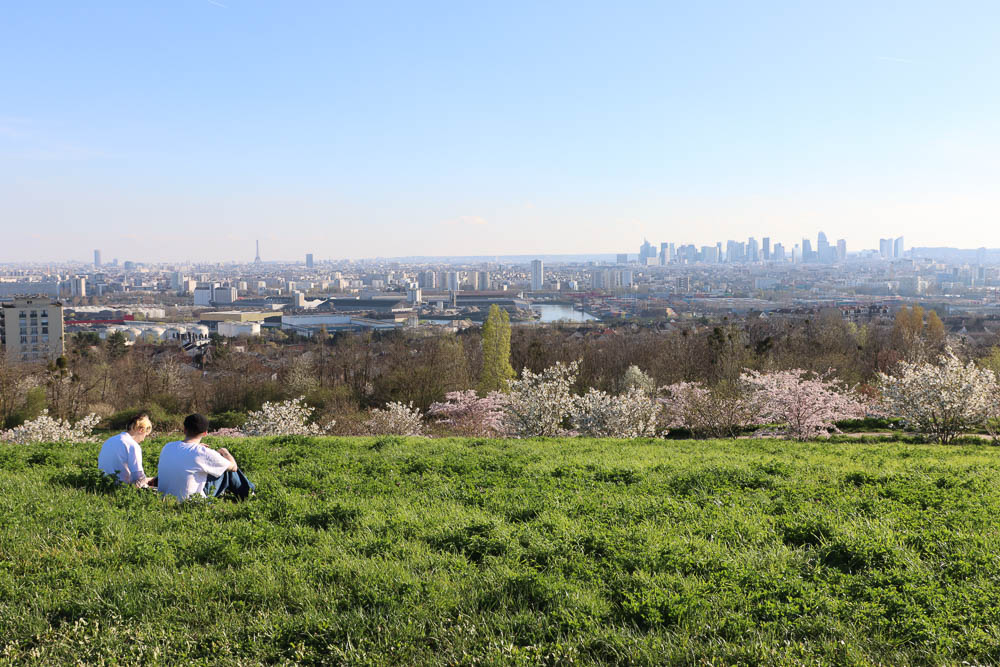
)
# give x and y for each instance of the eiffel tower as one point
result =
(257, 260)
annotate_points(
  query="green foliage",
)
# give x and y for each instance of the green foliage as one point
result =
(427, 552)
(116, 344)
(162, 420)
(496, 352)
(229, 419)
(34, 402)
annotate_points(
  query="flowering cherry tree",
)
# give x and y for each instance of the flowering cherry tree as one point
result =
(49, 429)
(285, 418)
(469, 414)
(941, 400)
(721, 412)
(634, 378)
(806, 403)
(601, 415)
(395, 418)
(539, 404)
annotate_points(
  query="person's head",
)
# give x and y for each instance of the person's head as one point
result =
(140, 426)
(195, 426)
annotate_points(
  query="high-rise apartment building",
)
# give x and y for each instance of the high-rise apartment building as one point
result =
(31, 330)
(766, 249)
(841, 250)
(538, 274)
(753, 253)
(97, 258)
(885, 248)
(897, 248)
(309, 260)
(621, 258)
(78, 286)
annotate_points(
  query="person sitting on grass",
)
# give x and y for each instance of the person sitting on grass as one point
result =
(188, 468)
(121, 455)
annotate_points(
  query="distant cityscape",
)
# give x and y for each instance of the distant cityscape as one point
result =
(664, 284)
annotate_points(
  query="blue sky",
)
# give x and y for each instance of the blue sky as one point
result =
(183, 130)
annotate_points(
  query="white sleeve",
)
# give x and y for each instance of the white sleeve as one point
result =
(212, 462)
(133, 456)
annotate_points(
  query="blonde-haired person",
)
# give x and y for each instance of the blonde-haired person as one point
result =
(121, 455)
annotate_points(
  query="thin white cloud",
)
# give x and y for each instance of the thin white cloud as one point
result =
(217, 4)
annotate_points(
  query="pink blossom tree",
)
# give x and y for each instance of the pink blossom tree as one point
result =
(469, 414)
(723, 411)
(808, 404)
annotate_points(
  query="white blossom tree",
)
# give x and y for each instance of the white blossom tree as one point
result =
(808, 404)
(49, 429)
(941, 400)
(395, 418)
(284, 418)
(631, 415)
(539, 404)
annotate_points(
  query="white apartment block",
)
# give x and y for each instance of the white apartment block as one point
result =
(31, 330)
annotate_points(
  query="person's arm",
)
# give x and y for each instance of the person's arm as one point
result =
(229, 457)
(137, 476)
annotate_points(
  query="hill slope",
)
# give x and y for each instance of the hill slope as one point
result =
(431, 551)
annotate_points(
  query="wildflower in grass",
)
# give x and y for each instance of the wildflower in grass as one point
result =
(941, 400)
(395, 418)
(724, 411)
(539, 404)
(49, 429)
(806, 403)
(285, 418)
(601, 415)
(468, 414)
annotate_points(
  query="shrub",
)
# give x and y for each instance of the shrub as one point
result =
(230, 419)
(725, 411)
(468, 414)
(395, 419)
(162, 420)
(48, 429)
(539, 404)
(941, 400)
(807, 404)
(285, 418)
(601, 415)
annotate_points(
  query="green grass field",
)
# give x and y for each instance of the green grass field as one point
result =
(411, 551)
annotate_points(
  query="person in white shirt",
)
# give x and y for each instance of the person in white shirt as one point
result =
(185, 466)
(121, 455)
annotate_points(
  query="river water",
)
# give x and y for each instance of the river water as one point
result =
(553, 312)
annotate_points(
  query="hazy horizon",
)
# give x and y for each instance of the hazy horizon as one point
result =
(182, 132)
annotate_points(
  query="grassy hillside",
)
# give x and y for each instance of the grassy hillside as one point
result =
(436, 551)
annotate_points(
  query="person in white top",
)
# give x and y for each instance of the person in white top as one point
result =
(121, 455)
(185, 466)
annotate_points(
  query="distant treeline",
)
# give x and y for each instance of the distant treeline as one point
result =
(344, 375)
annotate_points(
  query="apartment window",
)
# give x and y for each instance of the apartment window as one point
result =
(24, 340)
(45, 328)
(45, 339)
